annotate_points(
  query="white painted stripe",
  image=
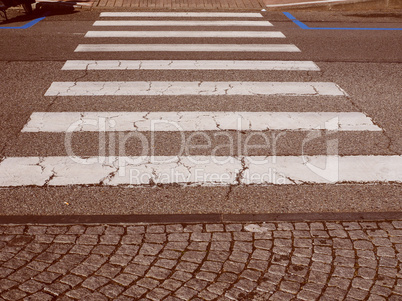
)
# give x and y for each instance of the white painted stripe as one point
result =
(184, 34)
(181, 14)
(182, 23)
(198, 170)
(305, 3)
(188, 65)
(194, 88)
(196, 121)
(188, 47)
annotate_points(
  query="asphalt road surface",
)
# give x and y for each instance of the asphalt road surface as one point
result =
(327, 123)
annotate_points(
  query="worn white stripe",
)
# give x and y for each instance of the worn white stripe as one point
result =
(198, 170)
(194, 88)
(188, 47)
(181, 14)
(188, 65)
(181, 23)
(184, 34)
(196, 121)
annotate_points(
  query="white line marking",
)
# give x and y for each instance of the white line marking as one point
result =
(305, 3)
(184, 34)
(188, 65)
(197, 170)
(188, 47)
(182, 23)
(180, 14)
(196, 121)
(194, 88)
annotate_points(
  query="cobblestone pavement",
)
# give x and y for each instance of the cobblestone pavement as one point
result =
(269, 261)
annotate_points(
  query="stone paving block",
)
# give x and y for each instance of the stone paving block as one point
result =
(171, 284)
(78, 293)
(196, 284)
(220, 246)
(127, 249)
(176, 245)
(206, 295)
(301, 226)
(87, 239)
(94, 282)
(135, 230)
(40, 296)
(155, 238)
(217, 236)
(193, 228)
(214, 227)
(385, 251)
(71, 280)
(218, 288)
(95, 260)
(125, 279)
(148, 283)
(187, 266)
(166, 263)
(185, 293)
(281, 296)
(307, 295)
(158, 294)
(363, 284)
(233, 227)
(198, 236)
(95, 230)
(14, 263)
(175, 228)
(357, 294)
(14, 294)
(385, 281)
(170, 254)
(22, 275)
(318, 277)
(108, 270)
(261, 254)
(120, 259)
(112, 290)
(335, 293)
(339, 282)
(259, 265)
(198, 246)
(194, 256)
(81, 249)
(282, 250)
(150, 249)
(158, 273)
(380, 290)
(181, 276)
(290, 287)
(103, 250)
(207, 276)
(56, 288)
(135, 291)
(84, 270)
(143, 259)
(76, 229)
(31, 286)
(246, 285)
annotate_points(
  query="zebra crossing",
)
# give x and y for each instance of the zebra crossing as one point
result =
(119, 169)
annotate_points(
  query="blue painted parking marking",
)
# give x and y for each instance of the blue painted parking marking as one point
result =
(28, 25)
(304, 26)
